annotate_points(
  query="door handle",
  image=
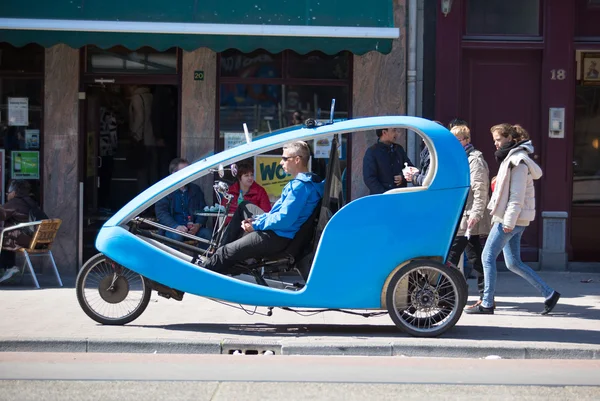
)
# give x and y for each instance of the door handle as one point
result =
(99, 161)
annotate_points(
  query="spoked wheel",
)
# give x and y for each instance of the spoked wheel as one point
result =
(110, 293)
(425, 298)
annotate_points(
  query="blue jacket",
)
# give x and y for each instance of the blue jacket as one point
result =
(381, 163)
(165, 208)
(298, 200)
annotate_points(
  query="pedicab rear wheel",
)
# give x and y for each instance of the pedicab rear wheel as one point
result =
(111, 294)
(426, 298)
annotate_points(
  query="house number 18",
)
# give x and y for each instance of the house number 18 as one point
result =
(558, 74)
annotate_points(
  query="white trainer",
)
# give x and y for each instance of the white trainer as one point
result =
(9, 273)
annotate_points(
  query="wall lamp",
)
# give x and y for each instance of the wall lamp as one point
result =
(446, 7)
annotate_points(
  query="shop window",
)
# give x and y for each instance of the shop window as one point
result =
(586, 151)
(20, 130)
(317, 65)
(503, 17)
(121, 60)
(267, 91)
(28, 59)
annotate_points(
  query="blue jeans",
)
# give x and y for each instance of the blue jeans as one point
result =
(510, 245)
(204, 232)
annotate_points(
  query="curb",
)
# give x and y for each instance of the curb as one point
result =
(424, 348)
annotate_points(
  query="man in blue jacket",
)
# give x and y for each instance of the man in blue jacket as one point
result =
(177, 209)
(383, 163)
(270, 233)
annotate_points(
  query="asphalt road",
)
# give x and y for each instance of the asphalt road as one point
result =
(63, 376)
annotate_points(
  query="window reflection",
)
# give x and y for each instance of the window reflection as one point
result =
(586, 151)
(270, 92)
(503, 17)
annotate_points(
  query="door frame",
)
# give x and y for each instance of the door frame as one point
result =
(87, 78)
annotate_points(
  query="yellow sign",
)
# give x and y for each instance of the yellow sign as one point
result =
(270, 175)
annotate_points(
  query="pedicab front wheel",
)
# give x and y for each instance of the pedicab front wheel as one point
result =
(425, 298)
(110, 293)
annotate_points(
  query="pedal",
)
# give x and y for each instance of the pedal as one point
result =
(168, 292)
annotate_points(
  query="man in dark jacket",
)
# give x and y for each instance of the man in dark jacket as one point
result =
(178, 208)
(383, 163)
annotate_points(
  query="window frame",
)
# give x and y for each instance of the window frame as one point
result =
(219, 143)
(502, 37)
(40, 77)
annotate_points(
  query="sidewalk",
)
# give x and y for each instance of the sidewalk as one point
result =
(50, 319)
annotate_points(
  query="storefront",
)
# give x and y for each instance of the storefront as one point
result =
(203, 72)
(532, 62)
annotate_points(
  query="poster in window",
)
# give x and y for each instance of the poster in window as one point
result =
(269, 174)
(233, 139)
(18, 111)
(25, 165)
(32, 138)
(591, 68)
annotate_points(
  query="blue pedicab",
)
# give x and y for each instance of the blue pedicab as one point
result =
(380, 253)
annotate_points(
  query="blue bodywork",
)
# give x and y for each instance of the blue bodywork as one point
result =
(361, 246)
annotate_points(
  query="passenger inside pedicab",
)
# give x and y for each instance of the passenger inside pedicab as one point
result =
(284, 237)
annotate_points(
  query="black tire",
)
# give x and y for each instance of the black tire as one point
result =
(112, 282)
(426, 298)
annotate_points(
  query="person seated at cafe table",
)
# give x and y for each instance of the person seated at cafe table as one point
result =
(177, 210)
(246, 189)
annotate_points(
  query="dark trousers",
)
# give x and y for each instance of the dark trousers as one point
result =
(233, 231)
(256, 244)
(473, 248)
(7, 259)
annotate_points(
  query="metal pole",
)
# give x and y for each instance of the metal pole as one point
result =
(413, 140)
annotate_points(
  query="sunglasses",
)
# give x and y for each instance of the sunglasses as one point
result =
(286, 158)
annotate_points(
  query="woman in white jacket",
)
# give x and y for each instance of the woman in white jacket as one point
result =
(512, 207)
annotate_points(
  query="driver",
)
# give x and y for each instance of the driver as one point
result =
(270, 233)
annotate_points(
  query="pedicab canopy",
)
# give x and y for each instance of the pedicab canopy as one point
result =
(360, 247)
(274, 25)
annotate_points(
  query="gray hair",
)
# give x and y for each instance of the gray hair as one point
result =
(175, 163)
(299, 148)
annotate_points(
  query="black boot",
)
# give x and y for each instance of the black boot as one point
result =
(550, 303)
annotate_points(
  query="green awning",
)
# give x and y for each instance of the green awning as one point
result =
(301, 25)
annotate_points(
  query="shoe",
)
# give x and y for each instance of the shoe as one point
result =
(476, 304)
(9, 273)
(479, 310)
(550, 303)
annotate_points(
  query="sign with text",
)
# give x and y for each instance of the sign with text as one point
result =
(25, 165)
(18, 111)
(233, 139)
(270, 175)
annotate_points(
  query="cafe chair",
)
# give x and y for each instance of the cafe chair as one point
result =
(40, 245)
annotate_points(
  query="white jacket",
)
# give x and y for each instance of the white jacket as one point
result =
(513, 199)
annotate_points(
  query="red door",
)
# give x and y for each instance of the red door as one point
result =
(502, 86)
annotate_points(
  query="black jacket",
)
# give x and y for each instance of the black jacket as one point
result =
(381, 163)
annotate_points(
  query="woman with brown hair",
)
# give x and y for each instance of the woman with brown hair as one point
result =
(512, 208)
(246, 189)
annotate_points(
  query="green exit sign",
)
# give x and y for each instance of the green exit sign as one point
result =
(198, 75)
